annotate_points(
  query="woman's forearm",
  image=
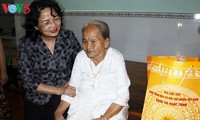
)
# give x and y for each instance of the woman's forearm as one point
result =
(2, 57)
(57, 90)
(49, 89)
(60, 110)
(3, 72)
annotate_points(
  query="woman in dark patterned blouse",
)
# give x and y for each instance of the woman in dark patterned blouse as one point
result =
(5, 112)
(46, 57)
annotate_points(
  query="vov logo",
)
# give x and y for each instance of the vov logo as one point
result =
(16, 8)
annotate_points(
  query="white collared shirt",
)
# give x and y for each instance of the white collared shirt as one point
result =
(110, 83)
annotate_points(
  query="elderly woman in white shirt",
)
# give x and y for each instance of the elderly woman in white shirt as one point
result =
(100, 78)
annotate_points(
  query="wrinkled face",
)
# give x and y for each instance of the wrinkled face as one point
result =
(49, 25)
(94, 44)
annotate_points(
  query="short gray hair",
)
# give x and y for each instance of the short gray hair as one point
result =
(101, 25)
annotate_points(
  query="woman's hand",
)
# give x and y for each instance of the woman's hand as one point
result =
(70, 91)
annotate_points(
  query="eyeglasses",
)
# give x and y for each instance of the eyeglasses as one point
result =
(49, 23)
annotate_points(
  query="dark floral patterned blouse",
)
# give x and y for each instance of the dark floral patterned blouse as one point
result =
(37, 64)
(5, 112)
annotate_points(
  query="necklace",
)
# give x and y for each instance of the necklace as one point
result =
(96, 69)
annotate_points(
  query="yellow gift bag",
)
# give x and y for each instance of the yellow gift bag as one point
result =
(173, 90)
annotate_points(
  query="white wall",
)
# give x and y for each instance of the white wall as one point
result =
(172, 6)
(138, 37)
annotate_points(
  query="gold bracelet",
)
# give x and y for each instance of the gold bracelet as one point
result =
(104, 118)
